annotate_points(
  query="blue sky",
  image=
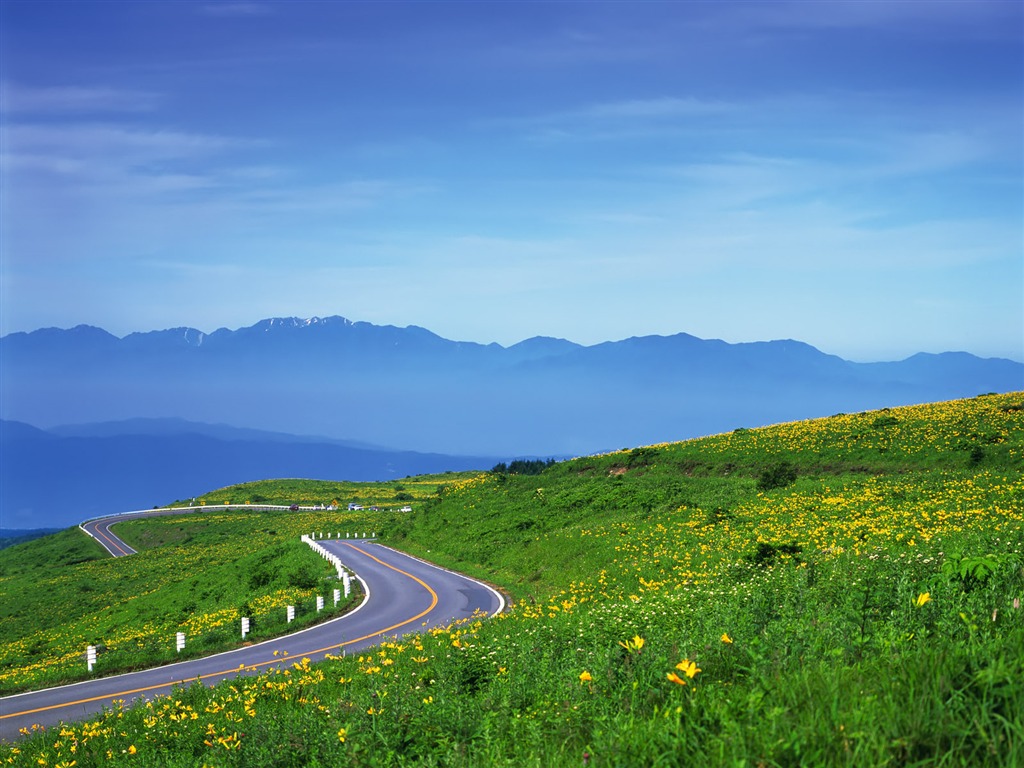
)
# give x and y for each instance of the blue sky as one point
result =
(844, 173)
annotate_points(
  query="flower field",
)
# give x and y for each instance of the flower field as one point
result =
(845, 591)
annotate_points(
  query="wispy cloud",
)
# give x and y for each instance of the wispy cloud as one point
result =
(663, 107)
(959, 18)
(106, 139)
(72, 99)
(627, 118)
(235, 9)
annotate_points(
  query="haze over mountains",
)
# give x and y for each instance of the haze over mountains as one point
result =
(63, 476)
(362, 387)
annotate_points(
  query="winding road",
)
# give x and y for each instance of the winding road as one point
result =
(99, 527)
(403, 594)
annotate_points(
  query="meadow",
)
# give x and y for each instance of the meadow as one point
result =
(844, 591)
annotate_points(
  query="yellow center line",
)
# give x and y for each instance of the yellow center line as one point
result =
(110, 538)
(433, 602)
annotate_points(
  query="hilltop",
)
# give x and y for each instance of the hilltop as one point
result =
(841, 591)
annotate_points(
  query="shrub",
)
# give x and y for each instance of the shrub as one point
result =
(777, 476)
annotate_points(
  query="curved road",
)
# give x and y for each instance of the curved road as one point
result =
(403, 595)
(99, 527)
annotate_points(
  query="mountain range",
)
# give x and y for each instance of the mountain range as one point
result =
(355, 386)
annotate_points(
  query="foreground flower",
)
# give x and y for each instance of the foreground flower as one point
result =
(342, 733)
(675, 678)
(688, 668)
(725, 638)
(634, 645)
(585, 677)
(923, 598)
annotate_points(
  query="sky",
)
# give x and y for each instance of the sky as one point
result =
(848, 174)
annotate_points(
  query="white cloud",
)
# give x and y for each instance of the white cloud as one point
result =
(910, 17)
(234, 9)
(18, 98)
(667, 106)
(111, 141)
(627, 118)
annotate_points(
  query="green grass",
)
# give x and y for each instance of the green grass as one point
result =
(58, 550)
(198, 574)
(848, 588)
(288, 491)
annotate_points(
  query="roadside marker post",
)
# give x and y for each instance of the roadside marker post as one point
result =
(337, 596)
(319, 603)
(347, 584)
(179, 641)
(245, 626)
(90, 656)
(291, 613)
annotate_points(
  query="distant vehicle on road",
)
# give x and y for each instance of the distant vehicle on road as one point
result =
(294, 507)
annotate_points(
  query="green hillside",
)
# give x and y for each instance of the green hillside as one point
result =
(845, 591)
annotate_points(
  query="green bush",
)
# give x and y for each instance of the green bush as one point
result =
(777, 476)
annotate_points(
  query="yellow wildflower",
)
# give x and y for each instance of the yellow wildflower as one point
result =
(634, 645)
(687, 667)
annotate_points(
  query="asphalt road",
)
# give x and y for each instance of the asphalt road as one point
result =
(99, 527)
(100, 530)
(403, 595)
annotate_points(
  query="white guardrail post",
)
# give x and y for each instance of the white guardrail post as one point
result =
(330, 557)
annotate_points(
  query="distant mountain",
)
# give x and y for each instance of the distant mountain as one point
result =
(179, 427)
(359, 383)
(59, 480)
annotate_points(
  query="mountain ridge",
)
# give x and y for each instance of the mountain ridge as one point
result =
(409, 387)
(333, 321)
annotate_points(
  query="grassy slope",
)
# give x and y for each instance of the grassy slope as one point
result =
(865, 613)
(687, 510)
